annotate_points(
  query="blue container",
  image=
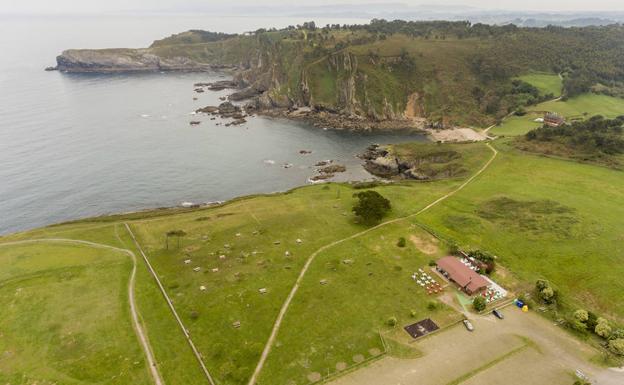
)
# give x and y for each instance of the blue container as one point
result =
(519, 303)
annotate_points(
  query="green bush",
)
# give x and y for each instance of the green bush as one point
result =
(479, 303)
(432, 305)
(617, 346)
(413, 313)
(392, 321)
(602, 328)
(581, 315)
(401, 242)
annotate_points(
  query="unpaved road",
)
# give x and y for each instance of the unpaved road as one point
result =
(293, 291)
(497, 352)
(138, 328)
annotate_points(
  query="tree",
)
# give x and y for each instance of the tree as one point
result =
(371, 206)
(479, 303)
(174, 233)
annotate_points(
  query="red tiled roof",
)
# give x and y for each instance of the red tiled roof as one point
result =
(462, 274)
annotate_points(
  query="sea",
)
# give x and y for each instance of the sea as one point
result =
(74, 145)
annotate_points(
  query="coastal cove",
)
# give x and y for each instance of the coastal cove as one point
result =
(131, 143)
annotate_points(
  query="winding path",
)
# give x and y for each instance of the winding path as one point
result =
(138, 328)
(293, 291)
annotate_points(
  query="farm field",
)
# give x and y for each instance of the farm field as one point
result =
(65, 316)
(579, 107)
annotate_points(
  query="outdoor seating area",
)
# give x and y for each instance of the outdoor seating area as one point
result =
(470, 262)
(427, 282)
(492, 294)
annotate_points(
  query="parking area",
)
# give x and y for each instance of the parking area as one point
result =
(523, 348)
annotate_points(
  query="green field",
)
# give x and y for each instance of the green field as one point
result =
(543, 218)
(579, 107)
(369, 277)
(65, 316)
(546, 83)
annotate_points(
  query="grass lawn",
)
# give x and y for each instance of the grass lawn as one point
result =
(517, 125)
(545, 218)
(580, 107)
(347, 297)
(584, 106)
(546, 83)
(65, 317)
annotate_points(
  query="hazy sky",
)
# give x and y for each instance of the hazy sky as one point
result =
(73, 6)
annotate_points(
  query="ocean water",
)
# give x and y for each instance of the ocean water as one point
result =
(73, 146)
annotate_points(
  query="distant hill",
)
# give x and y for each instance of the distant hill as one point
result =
(438, 73)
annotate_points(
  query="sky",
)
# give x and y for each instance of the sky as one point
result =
(97, 6)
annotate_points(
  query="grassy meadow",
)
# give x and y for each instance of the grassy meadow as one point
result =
(65, 316)
(579, 107)
(368, 280)
(542, 217)
(544, 82)
(545, 218)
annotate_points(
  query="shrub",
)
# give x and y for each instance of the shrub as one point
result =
(432, 305)
(413, 313)
(547, 294)
(194, 315)
(432, 263)
(541, 284)
(453, 249)
(401, 242)
(592, 320)
(603, 329)
(392, 321)
(617, 346)
(581, 315)
(479, 303)
(618, 333)
(578, 325)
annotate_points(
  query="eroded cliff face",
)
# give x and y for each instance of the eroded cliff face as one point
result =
(272, 75)
(124, 60)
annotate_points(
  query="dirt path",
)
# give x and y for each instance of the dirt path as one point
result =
(295, 288)
(198, 355)
(138, 328)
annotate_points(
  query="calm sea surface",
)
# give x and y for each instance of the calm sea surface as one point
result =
(74, 146)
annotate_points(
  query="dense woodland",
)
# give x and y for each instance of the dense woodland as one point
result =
(595, 135)
(596, 140)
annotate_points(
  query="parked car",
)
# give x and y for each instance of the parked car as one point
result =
(497, 313)
(468, 325)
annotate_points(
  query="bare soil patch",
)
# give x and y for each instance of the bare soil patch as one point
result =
(427, 246)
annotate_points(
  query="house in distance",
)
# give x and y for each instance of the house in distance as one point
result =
(553, 119)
